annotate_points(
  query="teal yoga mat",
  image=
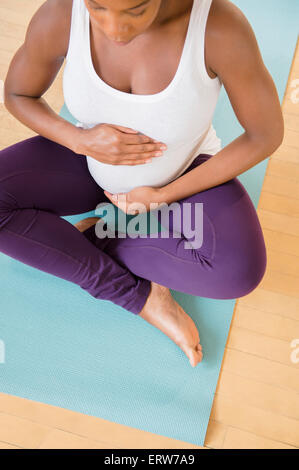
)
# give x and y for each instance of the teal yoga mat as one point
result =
(60, 346)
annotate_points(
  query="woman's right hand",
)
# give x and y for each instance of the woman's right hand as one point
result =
(117, 145)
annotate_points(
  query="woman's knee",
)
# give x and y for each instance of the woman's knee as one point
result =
(246, 273)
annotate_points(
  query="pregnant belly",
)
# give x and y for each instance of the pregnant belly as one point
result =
(123, 178)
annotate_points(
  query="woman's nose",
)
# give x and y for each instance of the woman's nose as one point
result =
(116, 30)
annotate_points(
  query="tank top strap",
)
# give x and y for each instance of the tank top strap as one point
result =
(77, 28)
(202, 9)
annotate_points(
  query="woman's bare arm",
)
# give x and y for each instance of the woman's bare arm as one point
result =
(33, 69)
(234, 55)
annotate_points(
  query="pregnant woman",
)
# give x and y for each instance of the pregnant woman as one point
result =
(142, 80)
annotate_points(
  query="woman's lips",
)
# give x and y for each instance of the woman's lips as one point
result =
(120, 43)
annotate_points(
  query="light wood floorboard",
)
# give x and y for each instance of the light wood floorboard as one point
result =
(256, 403)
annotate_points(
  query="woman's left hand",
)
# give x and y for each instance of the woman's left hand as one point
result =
(138, 200)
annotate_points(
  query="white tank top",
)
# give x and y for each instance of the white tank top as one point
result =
(179, 116)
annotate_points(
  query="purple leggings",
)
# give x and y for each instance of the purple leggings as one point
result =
(40, 181)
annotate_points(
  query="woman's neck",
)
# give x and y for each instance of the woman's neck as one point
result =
(170, 10)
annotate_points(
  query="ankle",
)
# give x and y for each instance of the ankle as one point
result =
(145, 308)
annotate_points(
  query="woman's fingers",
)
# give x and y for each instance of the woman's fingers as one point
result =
(142, 148)
(124, 128)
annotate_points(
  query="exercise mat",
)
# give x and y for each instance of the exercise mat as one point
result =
(62, 347)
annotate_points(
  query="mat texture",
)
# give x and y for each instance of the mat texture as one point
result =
(62, 347)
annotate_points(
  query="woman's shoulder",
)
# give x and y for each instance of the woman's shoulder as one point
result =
(227, 31)
(51, 23)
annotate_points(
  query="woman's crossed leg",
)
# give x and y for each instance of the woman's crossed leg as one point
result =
(40, 181)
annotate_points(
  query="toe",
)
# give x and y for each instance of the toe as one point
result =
(86, 223)
(199, 353)
(194, 356)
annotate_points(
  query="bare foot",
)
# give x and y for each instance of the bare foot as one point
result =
(163, 312)
(84, 224)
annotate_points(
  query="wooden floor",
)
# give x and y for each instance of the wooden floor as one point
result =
(257, 398)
